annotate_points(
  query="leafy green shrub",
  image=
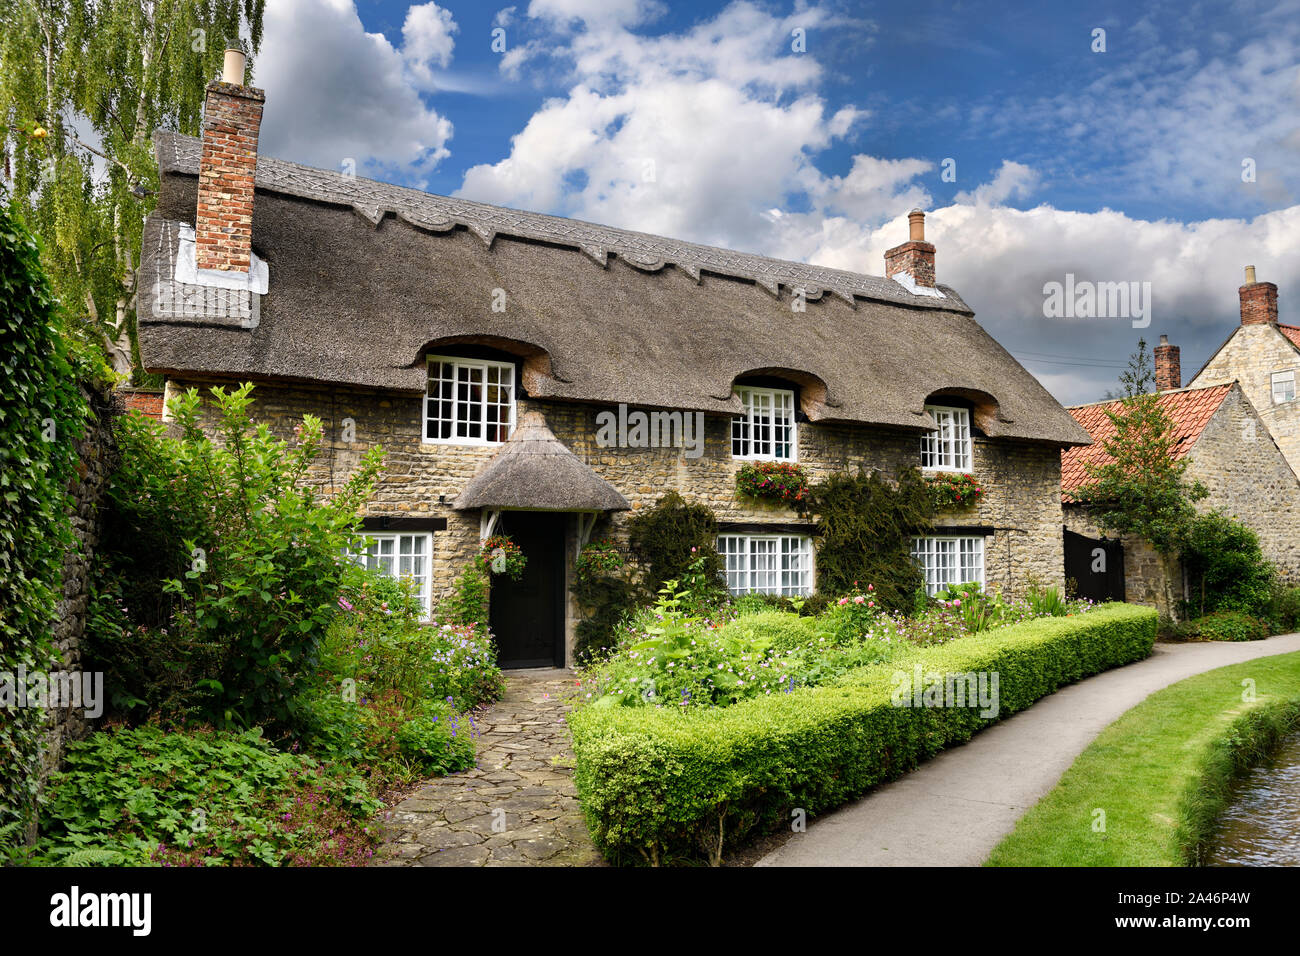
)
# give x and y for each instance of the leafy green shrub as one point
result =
(670, 538)
(41, 412)
(660, 784)
(606, 600)
(1226, 566)
(867, 525)
(467, 604)
(143, 796)
(1229, 626)
(379, 641)
(1284, 610)
(759, 603)
(253, 556)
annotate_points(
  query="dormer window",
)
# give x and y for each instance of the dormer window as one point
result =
(469, 401)
(947, 448)
(1283, 387)
(766, 429)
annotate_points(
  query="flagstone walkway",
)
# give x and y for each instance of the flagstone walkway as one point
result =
(517, 807)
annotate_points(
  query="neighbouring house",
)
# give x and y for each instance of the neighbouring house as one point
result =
(1229, 450)
(1263, 355)
(502, 359)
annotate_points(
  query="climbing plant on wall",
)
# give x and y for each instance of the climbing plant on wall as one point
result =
(41, 414)
(867, 524)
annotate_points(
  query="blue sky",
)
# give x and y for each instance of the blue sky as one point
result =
(1122, 165)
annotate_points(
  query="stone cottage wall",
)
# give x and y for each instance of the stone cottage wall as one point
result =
(1022, 502)
(1248, 477)
(95, 459)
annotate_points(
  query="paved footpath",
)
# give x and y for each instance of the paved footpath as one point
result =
(955, 808)
(517, 807)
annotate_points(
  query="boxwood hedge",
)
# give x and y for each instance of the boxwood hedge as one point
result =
(659, 785)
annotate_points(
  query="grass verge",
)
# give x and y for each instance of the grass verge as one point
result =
(1158, 778)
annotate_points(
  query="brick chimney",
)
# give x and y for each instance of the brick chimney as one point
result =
(1169, 374)
(914, 257)
(1258, 301)
(232, 115)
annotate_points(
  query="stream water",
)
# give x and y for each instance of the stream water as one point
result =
(1261, 826)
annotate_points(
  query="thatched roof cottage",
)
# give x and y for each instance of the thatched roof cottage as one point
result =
(487, 348)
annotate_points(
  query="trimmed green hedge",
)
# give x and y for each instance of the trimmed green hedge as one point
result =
(661, 785)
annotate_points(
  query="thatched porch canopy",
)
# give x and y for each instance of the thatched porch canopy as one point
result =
(534, 471)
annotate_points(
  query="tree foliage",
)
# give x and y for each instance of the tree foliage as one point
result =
(1141, 488)
(83, 86)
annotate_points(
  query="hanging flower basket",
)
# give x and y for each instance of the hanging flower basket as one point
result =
(773, 480)
(953, 490)
(500, 555)
(598, 558)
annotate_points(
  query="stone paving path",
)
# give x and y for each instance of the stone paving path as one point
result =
(517, 807)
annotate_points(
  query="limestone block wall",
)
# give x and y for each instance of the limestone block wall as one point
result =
(1251, 357)
(1022, 479)
(1249, 477)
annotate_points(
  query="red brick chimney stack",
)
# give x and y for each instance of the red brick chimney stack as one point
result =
(1169, 374)
(232, 115)
(916, 256)
(1258, 301)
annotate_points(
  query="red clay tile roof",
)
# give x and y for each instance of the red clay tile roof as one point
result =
(1292, 332)
(1190, 409)
(146, 403)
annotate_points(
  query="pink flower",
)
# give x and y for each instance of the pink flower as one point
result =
(843, 601)
(859, 599)
(343, 603)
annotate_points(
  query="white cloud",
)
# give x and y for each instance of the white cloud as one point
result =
(1012, 181)
(335, 92)
(426, 39)
(691, 134)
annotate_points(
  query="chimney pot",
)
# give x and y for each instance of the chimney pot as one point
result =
(1169, 373)
(232, 69)
(916, 225)
(1250, 275)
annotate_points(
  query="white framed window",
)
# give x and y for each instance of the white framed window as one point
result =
(400, 555)
(949, 560)
(766, 430)
(947, 448)
(767, 563)
(469, 401)
(1283, 387)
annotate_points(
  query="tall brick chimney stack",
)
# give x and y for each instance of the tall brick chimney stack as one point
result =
(1169, 374)
(1258, 301)
(914, 257)
(232, 116)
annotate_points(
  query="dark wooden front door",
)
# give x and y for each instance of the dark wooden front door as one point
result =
(1095, 566)
(527, 615)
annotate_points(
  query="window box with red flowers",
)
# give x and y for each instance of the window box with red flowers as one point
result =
(773, 480)
(955, 490)
(500, 555)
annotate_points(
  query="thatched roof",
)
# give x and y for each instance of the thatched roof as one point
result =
(534, 470)
(366, 278)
